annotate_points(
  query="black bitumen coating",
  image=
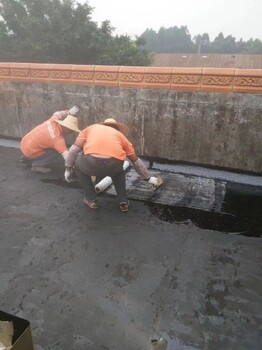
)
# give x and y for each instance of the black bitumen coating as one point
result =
(101, 280)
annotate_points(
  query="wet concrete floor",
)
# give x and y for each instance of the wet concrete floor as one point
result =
(104, 280)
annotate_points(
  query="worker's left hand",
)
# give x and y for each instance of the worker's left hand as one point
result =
(69, 174)
(74, 110)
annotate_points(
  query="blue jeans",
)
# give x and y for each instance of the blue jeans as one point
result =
(87, 166)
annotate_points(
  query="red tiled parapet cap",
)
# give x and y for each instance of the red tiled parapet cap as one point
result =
(166, 78)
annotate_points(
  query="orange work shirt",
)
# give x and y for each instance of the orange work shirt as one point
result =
(43, 136)
(105, 140)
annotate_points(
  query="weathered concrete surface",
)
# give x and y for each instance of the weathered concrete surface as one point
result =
(217, 129)
(101, 279)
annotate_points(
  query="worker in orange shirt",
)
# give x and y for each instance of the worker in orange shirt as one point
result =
(104, 149)
(45, 143)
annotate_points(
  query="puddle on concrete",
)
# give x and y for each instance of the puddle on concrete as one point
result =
(241, 212)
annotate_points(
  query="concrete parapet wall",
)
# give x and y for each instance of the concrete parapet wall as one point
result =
(215, 128)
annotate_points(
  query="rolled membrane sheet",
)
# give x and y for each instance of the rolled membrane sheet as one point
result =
(107, 181)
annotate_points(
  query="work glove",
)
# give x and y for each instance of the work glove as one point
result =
(69, 175)
(74, 110)
(153, 180)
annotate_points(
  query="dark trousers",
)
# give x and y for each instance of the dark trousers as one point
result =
(50, 156)
(87, 166)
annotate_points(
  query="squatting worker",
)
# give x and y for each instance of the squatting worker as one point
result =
(105, 148)
(45, 143)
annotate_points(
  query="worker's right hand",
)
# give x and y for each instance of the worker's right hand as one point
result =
(153, 180)
(74, 110)
(69, 174)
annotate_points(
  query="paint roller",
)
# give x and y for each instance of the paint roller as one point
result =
(107, 181)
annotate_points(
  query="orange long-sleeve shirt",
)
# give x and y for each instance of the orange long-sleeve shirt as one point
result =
(43, 136)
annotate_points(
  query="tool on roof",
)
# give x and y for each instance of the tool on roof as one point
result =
(107, 181)
(158, 184)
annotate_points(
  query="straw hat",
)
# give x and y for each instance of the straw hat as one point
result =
(121, 127)
(69, 122)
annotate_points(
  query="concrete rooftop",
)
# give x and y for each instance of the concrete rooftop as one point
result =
(104, 280)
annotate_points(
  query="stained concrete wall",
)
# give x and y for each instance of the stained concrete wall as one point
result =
(209, 128)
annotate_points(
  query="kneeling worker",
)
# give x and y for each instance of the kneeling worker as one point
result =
(105, 148)
(45, 143)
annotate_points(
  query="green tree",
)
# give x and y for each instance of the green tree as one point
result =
(150, 38)
(254, 46)
(178, 40)
(202, 43)
(173, 39)
(47, 31)
(223, 44)
(124, 51)
(59, 31)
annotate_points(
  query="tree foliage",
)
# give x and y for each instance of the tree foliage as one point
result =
(178, 40)
(62, 31)
(171, 39)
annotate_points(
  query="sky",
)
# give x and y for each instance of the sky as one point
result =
(239, 18)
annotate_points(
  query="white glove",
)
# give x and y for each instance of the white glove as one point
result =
(68, 174)
(153, 180)
(74, 110)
